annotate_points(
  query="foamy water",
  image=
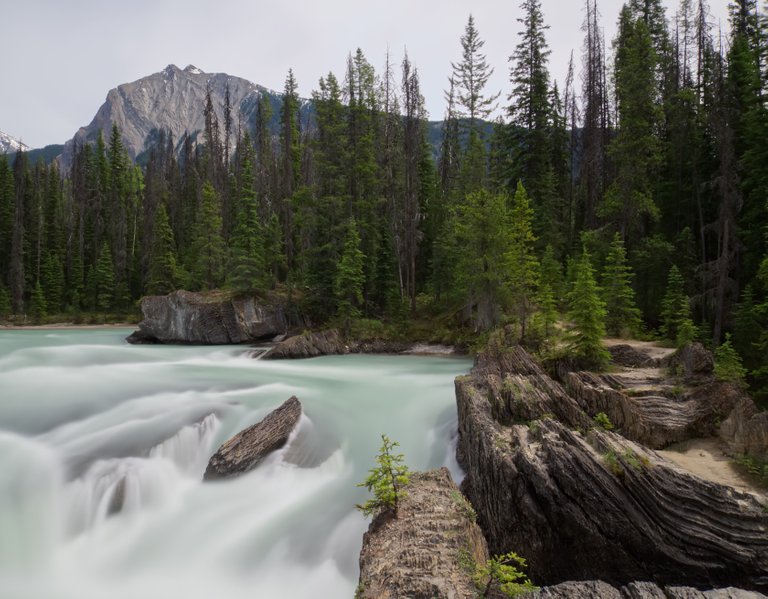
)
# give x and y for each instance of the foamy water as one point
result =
(103, 446)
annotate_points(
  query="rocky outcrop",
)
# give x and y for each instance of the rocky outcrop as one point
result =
(636, 590)
(592, 504)
(329, 343)
(248, 448)
(745, 431)
(692, 361)
(208, 319)
(626, 355)
(428, 550)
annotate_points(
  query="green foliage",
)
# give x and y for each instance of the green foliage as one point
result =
(164, 274)
(5, 302)
(103, 280)
(675, 306)
(587, 314)
(622, 316)
(728, 365)
(755, 468)
(386, 481)
(37, 307)
(464, 505)
(601, 420)
(350, 277)
(523, 267)
(504, 573)
(208, 244)
(612, 461)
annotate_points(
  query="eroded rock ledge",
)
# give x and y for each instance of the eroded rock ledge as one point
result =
(636, 590)
(248, 448)
(208, 319)
(586, 504)
(427, 551)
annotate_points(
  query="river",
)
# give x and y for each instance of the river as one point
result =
(103, 446)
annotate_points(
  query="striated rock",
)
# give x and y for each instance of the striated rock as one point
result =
(208, 319)
(595, 506)
(626, 355)
(745, 431)
(308, 345)
(692, 361)
(428, 550)
(592, 589)
(248, 448)
(654, 417)
(329, 343)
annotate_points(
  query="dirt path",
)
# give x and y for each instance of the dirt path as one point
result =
(705, 459)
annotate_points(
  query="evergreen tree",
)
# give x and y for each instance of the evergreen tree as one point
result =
(386, 481)
(164, 273)
(208, 243)
(523, 266)
(728, 366)
(103, 280)
(350, 277)
(675, 308)
(547, 314)
(246, 263)
(5, 302)
(622, 315)
(37, 307)
(552, 273)
(587, 314)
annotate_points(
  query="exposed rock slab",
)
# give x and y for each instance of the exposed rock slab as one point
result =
(248, 448)
(691, 361)
(207, 319)
(425, 550)
(746, 431)
(592, 589)
(596, 506)
(626, 355)
(330, 343)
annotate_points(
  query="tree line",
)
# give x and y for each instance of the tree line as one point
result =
(637, 196)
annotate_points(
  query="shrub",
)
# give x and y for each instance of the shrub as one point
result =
(386, 481)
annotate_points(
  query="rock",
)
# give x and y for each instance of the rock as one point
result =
(308, 345)
(626, 355)
(430, 349)
(248, 448)
(745, 431)
(592, 589)
(329, 343)
(428, 550)
(207, 319)
(691, 361)
(595, 506)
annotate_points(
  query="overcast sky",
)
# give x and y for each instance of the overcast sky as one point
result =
(61, 57)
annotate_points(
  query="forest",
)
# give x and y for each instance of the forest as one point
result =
(630, 200)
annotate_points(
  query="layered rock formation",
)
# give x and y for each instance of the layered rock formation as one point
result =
(636, 590)
(248, 448)
(428, 550)
(208, 318)
(330, 343)
(586, 504)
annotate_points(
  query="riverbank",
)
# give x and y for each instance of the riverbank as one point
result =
(65, 326)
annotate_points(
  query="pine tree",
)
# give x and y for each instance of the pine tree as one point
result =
(386, 481)
(552, 273)
(164, 273)
(103, 280)
(728, 366)
(523, 266)
(37, 307)
(350, 277)
(246, 263)
(587, 314)
(208, 241)
(5, 302)
(675, 308)
(622, 315)
(547, 314)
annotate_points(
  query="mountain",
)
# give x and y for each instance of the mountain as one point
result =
(9, 145)
(173, 101)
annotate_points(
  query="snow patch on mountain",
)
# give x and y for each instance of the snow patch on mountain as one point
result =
(9, 144)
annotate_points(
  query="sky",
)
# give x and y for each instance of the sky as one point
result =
(62, 56)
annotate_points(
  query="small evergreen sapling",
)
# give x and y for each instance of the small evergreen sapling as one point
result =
(386, 480)
(728, 366)
(588, 316)
(504, 572)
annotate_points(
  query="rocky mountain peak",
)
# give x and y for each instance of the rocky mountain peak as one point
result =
(9, 144)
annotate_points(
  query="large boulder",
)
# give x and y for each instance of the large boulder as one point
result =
(745, 431)
(208, 319)
(248, 448)
(308, 345)
(428, 550)
(692, 361)
(590, 504)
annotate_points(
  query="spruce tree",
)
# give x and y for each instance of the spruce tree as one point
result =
(350, 277)
(523, 266)
(587, 314)
(675, 308)
(728, 365)
(622, 316)
(552, 274)
(208, 241)
(103, 280)
(5, 302)
(37, 307)
(163, 276)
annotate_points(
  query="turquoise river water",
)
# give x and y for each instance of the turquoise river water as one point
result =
(81, 411)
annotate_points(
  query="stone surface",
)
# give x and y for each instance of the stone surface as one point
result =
(691, 361)
(745, 431)
(248, 448)
(595, 505)
(592, 589)
(626, 355)
(208, 318)
(428, 550)
(329, 343)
